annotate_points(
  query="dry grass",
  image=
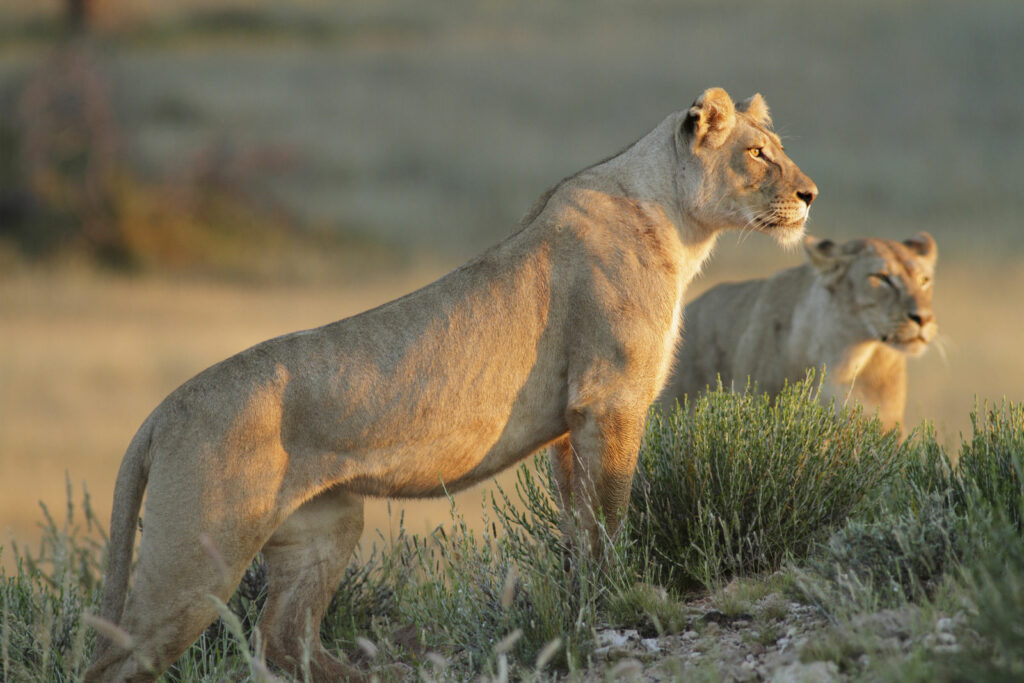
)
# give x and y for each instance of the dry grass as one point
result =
(84, 358)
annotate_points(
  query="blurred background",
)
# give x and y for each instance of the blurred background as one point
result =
(181, 180)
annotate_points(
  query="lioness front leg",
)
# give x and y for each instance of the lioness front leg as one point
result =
(602, 447)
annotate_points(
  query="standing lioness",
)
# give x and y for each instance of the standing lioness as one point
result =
(858, 309)
(561, 334)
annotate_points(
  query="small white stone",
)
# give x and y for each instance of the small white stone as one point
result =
(797, 672)
(613, 638)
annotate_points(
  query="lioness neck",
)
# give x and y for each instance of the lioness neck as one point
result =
(823, 332)
(648, 172)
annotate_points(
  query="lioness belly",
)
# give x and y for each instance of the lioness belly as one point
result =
(413, 459)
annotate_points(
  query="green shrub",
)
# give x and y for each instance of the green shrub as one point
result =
(742, 482)
(996, 587)
(990, 464)
(925, 474)
(990, 468)
(899, 546)
(952, 528)
(893, 559)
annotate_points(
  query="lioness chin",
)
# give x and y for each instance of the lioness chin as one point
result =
(856, 309)
(561, 335)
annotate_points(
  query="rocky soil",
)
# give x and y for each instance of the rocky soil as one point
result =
(779, 640)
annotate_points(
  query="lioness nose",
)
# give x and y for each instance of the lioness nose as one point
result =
(921, 318)
(807, 194)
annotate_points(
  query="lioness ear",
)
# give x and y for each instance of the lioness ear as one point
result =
(821, 252)
(923, 245)
(756, 108)
(711, 118)
(826, 258)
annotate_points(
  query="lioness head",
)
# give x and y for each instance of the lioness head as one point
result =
(746, 181)
(885, 285)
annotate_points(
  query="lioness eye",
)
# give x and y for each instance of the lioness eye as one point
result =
(755, 152)
(882, 277)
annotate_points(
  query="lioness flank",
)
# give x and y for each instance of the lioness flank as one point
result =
(858, 309)
(562, 334)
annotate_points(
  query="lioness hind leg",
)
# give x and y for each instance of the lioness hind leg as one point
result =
(169, 605)
(306, 559)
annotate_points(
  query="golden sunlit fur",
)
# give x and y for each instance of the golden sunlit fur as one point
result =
(858, 309)
(561, 334)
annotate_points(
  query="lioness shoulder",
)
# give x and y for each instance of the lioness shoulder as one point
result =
(856, 309)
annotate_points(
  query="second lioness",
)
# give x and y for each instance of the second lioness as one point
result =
(858, 309)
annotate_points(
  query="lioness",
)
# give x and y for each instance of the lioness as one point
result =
(858, 309)
(561, 334)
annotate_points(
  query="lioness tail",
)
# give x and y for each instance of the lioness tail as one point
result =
(131, 483)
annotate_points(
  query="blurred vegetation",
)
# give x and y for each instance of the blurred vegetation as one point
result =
(70, 190)
(905, 551)
(67, 190)
(428, 127)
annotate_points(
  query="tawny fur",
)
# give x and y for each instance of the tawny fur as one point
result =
(858, 310)
(563, 333)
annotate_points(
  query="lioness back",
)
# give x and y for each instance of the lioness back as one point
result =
(856, 310)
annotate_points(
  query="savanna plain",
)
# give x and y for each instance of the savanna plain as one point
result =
(333, 157)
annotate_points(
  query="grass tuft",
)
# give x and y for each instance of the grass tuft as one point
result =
(43, 636)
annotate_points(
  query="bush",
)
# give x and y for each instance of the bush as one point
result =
(897, 558)
(955, 528)
(996, 586)
(741, 482)
(990, 469)
(990, 464)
